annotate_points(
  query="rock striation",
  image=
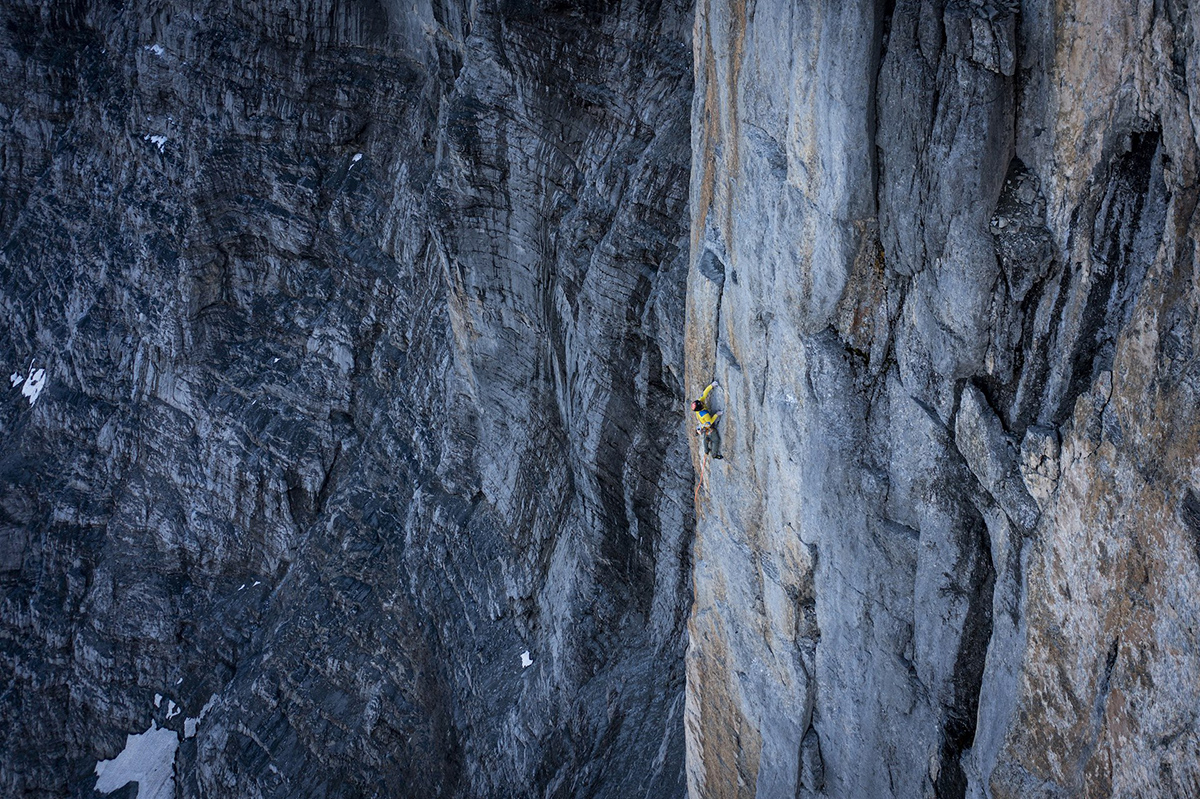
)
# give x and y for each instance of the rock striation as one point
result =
(356, 459)
(944, 265)
(344, 443)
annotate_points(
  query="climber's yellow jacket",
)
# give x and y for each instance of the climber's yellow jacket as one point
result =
(704, 415)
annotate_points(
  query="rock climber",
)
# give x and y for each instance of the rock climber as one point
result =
(706, 422)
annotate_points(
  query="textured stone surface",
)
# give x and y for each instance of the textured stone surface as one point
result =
(361, 326)
(952, 548)
(350, 344)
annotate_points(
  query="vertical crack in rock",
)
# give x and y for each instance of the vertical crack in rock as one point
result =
(812, 767)
(1125, 234)
(712, 267)
(1190, 511)
(959, 719)
(883, 27)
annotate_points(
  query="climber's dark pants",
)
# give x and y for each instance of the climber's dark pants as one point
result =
(712, 443)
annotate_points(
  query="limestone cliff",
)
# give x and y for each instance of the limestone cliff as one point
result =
(944, 266)
(345, 451)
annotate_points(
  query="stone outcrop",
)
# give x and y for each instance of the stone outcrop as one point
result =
(345, 444)
(359, 440)
(943, 264)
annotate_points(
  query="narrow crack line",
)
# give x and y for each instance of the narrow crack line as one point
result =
(717, 326)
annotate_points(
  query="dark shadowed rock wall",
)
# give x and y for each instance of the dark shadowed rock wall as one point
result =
(361, 329)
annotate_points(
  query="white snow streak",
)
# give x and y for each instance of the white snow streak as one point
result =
(15, 379)
(157, 49)
(159, 141)
(357, 157)
(190, 725)
(526, 661)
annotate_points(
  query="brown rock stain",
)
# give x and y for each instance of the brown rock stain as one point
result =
(737, 37)
(1111, 652)
(862, 311)
(714, 110)
(729, 744)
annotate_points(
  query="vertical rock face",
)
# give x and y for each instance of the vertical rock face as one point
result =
(348, 340)
(944, 266)
(357, 437)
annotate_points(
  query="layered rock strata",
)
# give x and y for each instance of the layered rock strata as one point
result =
(344, 446)
(355, 460)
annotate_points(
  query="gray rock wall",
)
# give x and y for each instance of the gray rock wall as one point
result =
(943, 266)
(345, 450)
(361, 329)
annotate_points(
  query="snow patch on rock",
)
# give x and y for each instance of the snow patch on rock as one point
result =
(33, 384)
(148, 758)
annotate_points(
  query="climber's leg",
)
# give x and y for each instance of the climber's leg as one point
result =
(712, 443)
